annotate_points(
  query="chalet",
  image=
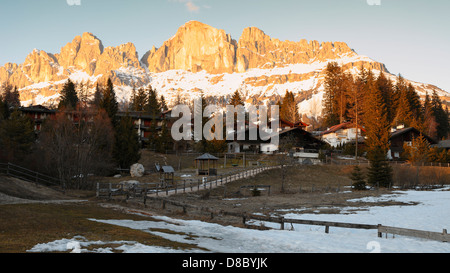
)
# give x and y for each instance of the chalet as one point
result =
(38, 114)
(144, 121)
(297, 140)
(290, 134)
(247, 145)
(401, 135)
(343, 133)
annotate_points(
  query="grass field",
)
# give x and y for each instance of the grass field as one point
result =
(314, 188)
(25, 225)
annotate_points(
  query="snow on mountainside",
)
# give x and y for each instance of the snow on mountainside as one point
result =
(198, 58)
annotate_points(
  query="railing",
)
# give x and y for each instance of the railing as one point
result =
(176, 186)
(437, 236)
(29, 175)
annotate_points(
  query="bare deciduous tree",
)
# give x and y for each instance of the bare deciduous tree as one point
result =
(76, 144)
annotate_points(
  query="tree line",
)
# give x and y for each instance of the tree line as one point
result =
(348, 98)
(84, 137)
(378, 104)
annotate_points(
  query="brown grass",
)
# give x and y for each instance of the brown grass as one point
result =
(24, 226)
(405, 175)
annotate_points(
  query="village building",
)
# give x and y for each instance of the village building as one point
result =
(343, 133)
(38, 114)
(400, 136)
(144, 121)
(290, 134)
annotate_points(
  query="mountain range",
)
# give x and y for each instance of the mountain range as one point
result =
(198, 58)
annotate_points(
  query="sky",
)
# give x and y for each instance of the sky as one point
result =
(410, 37)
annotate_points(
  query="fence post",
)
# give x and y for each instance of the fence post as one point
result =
(97, 193)
(282, 223)
(145, 195)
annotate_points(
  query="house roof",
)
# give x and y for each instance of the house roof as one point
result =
(411, 129)
(282, 132)
(345, 125)
(206, 157)
(37, 108)
(443, 144)
(291, 124)
(167, 169)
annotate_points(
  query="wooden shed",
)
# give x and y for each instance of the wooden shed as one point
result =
(206, 164)
(166, 175)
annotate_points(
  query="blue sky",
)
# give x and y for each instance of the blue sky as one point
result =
(410, 36)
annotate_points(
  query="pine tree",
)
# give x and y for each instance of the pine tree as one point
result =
(332, 112)
(289, 108)
(441, 116)
(429, 120)
(152, 107)
(164, 141)
(140, 100)
(109, 102)
(83, 95)
(386, 88)
(377, 143)
(414, 102)
(163, 104)
(98, 97)
(358, 179)
(379, 172)
(4, 109)
(404, 114)
(236, 99)
(16, 136)
(68, 97)
(126, 145)
(10, 96)
(419, 150)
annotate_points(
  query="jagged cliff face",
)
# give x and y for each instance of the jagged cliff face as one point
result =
(198, 58)
(194, 47)
(83, 59)
(197, 47)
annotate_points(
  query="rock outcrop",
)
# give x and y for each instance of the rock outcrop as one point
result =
(195, 47)
(81, 54)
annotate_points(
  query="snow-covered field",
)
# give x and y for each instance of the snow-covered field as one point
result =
(431, 212)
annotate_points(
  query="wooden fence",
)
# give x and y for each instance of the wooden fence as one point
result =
(178, 186)
(436, 236)
(443, 237)
(30, 176)
(392, 163)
